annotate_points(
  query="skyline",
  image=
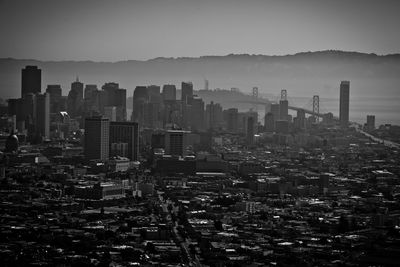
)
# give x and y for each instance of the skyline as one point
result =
(135, 30)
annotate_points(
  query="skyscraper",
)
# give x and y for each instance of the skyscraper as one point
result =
(175, 142)
(124, 134)
(42, 120)
(75, 99)
(31, 80)
(269, 123)
(250, 130)
(344, 103)
(97, 135)
(283, 109)
(187, 92)
(55, 93)
(169, 92)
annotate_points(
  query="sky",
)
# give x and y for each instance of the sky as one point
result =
(114, 30)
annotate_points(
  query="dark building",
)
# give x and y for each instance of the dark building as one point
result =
(42, 120)
(232, 118)
(250, 130)
(214, 115)
(31, 80)
(55, 93)
(196, 114)
(269, 123)
(75, 99)
(175, 142)
(140, 99)
(283, 109)
(344, 103)
(124, 140)
(169, 92)
(187, 92)
(97, 135)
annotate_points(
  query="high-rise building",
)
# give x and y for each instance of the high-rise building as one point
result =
(124, 140)
(55, 93)
(370, 126)
(250, 130)
(187, 92)
(115, 96)
(97, 138)
(154, 94)
(301, 119)
(344, 103)
(269, 123)
(196, 114)
(214, 115)
(283, 109)
(175, 142)
(31, 80)
(140, 99)
(275, 110)
(42, 120)
(232, 119)
(169, 92)
(75, 99)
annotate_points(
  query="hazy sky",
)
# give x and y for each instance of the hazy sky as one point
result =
(118, 30)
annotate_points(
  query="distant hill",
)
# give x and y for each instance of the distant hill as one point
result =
(302, 74)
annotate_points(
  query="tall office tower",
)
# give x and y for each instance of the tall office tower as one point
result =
(169, 92)
(26, 113)
(269, 123)
(301, 119)
(43, 115)
(232, 118)
(370, 122)
(55, 93)
(91, 100)
(214, 116)
(75, 99)
(250, 130)
(124, 140)
(111, 113)
(90, 90)
(154, 94)
(140, 99)
(110, 89)
(172, 113)
(196, 114)
(152, 118)
(283, 109)
(344, 103)
(275, 110)
(175, 142)
(31, 80)
(97, 138)
(120, 103)
(187, 92)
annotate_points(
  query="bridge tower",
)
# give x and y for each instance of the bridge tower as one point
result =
(283, 94)
(255, 99)
(315, 107)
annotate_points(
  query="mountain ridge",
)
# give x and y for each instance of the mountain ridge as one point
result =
(304, 73)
